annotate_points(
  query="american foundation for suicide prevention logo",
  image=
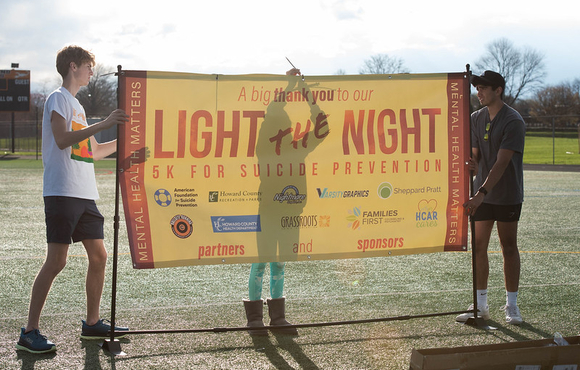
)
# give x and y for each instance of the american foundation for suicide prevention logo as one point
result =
(182, 226)
(162, 197)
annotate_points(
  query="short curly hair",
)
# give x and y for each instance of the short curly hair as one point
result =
(72, 53)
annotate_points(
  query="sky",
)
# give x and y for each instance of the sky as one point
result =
(320, 37)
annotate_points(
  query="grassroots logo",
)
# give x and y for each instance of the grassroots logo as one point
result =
(427, 215)
(353, 218)
(236, 224)
(304, 221)
(162, 197)
(385, 190)
(290, 195)
(324, 221)
(182, 226)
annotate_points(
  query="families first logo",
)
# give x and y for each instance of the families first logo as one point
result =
(358, 217)
(427, 214)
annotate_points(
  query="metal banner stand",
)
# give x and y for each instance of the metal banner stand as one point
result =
(113, 345)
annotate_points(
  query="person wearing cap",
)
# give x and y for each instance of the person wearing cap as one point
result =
(498, 135)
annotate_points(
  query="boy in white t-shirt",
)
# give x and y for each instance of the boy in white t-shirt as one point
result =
(69, 189)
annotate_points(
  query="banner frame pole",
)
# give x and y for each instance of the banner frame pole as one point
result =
(476, 320)
(111, 344)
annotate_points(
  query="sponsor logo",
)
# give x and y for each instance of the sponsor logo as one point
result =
(236, 224)
(185, 197)
(385, 190)
(304, 221)
(162, 197)
(421, 190)
(324, 193)
(234, 196)
(427, 214)
(290, 195)
(358, 217)
(182, 226)
(214, 196)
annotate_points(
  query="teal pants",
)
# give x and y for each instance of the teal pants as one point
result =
(276, 280)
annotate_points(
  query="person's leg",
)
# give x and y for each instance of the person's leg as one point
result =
(507, 232)
(256, 279)
(97, 256)
(55, 261)
(482, 235)
(277, 279)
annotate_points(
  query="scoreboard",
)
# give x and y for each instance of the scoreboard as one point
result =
(14, 90)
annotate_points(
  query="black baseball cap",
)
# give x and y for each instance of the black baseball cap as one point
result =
(488, 78)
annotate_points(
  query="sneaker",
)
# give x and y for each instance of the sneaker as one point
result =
(512, 315)
(101, 330)
(483, 312)
(34, 342)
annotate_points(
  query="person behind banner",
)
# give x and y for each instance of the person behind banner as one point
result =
(498, 135)
(70, 190)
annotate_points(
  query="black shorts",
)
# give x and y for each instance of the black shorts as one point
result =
(72, 219)
(501, 213)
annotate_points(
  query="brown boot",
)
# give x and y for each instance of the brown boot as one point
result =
(278, 317)
(255, 315)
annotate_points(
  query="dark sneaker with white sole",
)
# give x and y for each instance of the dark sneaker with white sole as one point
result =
(34, 342)
(101, 330)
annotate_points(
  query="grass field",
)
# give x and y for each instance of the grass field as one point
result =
(317, 291)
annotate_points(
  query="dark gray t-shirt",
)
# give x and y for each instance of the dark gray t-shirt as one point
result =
(506, 131)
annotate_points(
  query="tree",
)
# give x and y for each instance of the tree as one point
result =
(99, 97)
(560, 100)
(383, 64)
(523, 69)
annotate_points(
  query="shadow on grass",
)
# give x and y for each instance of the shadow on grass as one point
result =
(93, 349)
(287, 343)
(29, 360)
(505, 329)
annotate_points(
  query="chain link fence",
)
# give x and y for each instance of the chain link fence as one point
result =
(26, 136)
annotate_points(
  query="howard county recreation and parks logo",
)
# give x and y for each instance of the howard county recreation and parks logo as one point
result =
(162, 197)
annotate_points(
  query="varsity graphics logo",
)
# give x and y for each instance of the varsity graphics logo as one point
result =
(290, 195)
(236, 224)
(324, 193)
(182, 226)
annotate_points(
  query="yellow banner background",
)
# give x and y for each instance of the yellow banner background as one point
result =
(260, 168)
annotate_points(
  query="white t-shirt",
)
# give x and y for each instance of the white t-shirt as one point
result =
(69, 172)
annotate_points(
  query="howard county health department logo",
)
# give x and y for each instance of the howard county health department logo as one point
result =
(182, 226)
(236, 224)
(290, 195)
(162, 197)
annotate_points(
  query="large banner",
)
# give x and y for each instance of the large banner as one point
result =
(259, 168)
